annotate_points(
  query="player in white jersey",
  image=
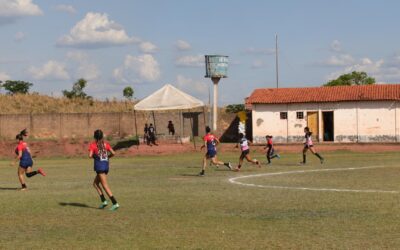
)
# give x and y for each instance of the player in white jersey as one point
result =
(245, 152)
(308, 145)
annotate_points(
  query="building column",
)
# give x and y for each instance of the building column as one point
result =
(320, 127)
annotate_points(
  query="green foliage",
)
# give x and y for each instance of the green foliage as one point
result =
(17, 87)
(128, 93)
(77, 90)
(353, 78)
(234, 108)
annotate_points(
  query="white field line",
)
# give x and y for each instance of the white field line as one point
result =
(234, 180)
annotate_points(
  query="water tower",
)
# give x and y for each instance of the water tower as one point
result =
(216, 68)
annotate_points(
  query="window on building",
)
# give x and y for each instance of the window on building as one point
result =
(283, 115)
(300, 115)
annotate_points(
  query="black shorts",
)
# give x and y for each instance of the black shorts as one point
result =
(244, 153)
(308, 146)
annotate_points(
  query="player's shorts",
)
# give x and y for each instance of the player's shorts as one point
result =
(244, 153)
(308, 146)
(26, 163)
(270, 152)
(102, 171)
(211, 154)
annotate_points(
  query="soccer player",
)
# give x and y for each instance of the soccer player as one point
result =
(210, 143)
(308, 145)
(245, 149)
(271, 151)
(25, 160)
(101, 152)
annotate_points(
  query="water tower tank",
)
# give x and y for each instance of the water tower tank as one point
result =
(216, 66)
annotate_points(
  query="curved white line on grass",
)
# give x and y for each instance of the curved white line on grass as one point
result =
(234, 181)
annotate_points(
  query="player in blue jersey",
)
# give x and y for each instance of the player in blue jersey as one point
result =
(101, 152)
(25, 160)
(210, 143)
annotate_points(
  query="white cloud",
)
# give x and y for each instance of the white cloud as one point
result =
(95, 30)
(4, 76)
(381, 70)
(85, 69)
(183, 45)
(190, 61)
(197, 88)
(138, 69)
(336, 46)
(19, 8)
(265, 51)
(19, 36)
(66, 8)
(52, 70)
(338, 60)
(147, 47)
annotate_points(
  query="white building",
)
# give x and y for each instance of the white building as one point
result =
(368, 113)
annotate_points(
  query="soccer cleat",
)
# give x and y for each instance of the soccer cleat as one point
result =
(236, 169)
(23, 189)
(40, 171)
(258, 163)
(269, 163)
(103, 205)
(229, 166)
(201, 174)
(322, 160)
(278, 156)
(302, 163)
(114, 207)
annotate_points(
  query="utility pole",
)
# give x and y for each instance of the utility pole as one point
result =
(276, 61)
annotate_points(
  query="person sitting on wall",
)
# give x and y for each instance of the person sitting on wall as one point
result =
(171, 128)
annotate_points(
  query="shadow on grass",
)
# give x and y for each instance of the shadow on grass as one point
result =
(8, 188)
(125, 144)
(189, 175)
(75, 204)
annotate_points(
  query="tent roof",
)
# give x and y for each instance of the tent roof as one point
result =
(168, 98)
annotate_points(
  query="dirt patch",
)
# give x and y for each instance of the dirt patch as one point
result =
(79, 148)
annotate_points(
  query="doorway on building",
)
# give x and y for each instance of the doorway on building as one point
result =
(312, 123)
(327, 118)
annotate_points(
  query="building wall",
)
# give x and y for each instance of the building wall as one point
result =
(366, 121)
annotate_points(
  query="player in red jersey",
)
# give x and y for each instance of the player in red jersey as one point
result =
(25, 160)
(270, 149)
(210, 143)
(101, 152)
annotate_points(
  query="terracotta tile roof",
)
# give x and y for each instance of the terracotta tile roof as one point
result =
(376, 92)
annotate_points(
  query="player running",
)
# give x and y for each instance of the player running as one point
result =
(101, 152)
(25, 160)
(308, 145)
(271, 150)
(210, 143)
(245, 149)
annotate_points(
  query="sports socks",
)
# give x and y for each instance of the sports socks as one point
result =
(29, 175)
(113, 200)
(319, 156)
(304, 158)
(103, 199)
(23, 185)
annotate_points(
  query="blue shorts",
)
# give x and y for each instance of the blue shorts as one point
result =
(211, 154)
(26, 164)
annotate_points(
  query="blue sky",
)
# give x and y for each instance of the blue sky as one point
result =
(146, 44)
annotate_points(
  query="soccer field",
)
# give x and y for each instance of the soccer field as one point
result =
(164, 205)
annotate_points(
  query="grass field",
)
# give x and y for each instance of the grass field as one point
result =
(165, 206)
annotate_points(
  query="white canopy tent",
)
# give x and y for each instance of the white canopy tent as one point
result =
(169, 98)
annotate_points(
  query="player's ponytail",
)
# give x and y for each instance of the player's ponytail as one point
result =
(98, 136)
(21, 135)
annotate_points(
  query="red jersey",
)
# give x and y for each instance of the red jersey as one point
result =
(93, 148)
(211, 141)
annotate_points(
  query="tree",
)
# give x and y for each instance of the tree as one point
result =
(17, 87)
(77, 90)
(128, 93)
(353, 78)
(234, 108)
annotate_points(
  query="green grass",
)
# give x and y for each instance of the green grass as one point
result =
(165, 206)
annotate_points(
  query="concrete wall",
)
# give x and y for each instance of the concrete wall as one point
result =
(118, 125)
(365, 121)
